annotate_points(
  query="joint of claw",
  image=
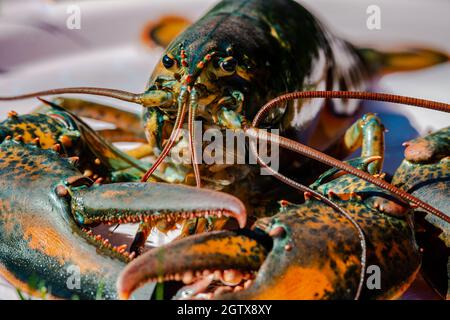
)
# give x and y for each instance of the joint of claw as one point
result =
(277, 232)
(61, 191)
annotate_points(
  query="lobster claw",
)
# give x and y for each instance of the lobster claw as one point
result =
(134, 202)
(306, 251)
(428, 149)
(188, 259)
(47, 210)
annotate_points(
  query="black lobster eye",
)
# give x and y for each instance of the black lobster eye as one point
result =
(168, 62)
(229, 65)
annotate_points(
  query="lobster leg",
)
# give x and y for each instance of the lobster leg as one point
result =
(121, 165)
(367, 133)
(141, 151)
(125, 120)
(128, 124)
(119, 135)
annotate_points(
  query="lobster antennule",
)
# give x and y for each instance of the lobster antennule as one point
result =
(181, 113)
(175, 133)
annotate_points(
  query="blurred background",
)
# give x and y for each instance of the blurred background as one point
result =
(43, 45)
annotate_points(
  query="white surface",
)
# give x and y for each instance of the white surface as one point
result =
(37, 52)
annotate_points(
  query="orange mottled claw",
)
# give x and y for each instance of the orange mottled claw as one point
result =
(306, 251)
(183, 259)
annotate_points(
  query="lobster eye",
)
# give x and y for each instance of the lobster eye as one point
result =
(168, 62)
(229, 65)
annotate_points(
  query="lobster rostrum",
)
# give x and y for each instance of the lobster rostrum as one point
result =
(305, 251)
(49, 204)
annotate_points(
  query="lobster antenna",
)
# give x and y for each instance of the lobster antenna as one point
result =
(303, 188)
(111, 93)
(181, 113)
(319, 156)
(360, 95)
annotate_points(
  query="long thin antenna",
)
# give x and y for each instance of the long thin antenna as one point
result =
(111, 93)
(319, 156)
(374, 96)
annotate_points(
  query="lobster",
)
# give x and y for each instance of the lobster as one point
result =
(210, 72)
(308, 251)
